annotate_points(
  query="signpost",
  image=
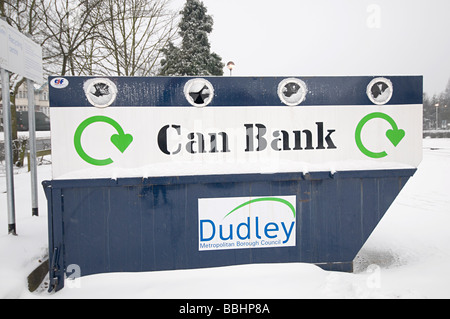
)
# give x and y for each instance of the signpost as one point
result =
(8, 153)
(181, 172)
(20, 55)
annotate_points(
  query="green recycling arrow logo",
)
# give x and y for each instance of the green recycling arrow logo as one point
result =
(120, 140)
(395, 135)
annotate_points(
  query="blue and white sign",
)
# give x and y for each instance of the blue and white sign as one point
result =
(19, 54)
(245, 222)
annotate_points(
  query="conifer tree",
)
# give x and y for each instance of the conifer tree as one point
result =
(194, 56)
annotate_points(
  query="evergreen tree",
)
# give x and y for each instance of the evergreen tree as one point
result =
(194, 57)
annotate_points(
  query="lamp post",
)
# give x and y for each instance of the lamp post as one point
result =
(230, 66)
(437, 115)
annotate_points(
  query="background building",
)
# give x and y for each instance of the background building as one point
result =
(21, 101)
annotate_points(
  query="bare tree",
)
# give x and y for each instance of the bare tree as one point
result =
(107, 37)
(69, 26)
(85, 37)
(133, 35)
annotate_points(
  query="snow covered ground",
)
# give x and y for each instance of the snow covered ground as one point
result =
(407, 256)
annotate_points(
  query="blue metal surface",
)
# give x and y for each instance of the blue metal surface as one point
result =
(130, 225)
(239, 91)
(151, 224)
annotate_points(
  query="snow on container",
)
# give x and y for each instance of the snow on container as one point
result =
(170, 173)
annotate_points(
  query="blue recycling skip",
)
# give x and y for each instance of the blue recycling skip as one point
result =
(130, 225)
(156, 223)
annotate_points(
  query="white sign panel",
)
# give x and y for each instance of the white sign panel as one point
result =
(141, 142)
(246, 222)
(111, 128)
(19, 54)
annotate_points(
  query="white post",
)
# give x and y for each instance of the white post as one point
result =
(8, 152)
(32, 145)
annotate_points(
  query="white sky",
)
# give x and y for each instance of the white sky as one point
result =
(334, 37)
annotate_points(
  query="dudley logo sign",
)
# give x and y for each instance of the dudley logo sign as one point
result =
(245, 222)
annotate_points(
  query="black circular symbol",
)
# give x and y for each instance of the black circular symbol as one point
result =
(380, 91)
(199, 97)
(100, 89)
(100, 92)
(292, 91)
(199, 92)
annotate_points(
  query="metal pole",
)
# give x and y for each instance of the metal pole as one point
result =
(8, 152)
(437, 117)
(32, 144)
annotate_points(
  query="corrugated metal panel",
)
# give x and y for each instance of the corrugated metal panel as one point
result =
(130, 225)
